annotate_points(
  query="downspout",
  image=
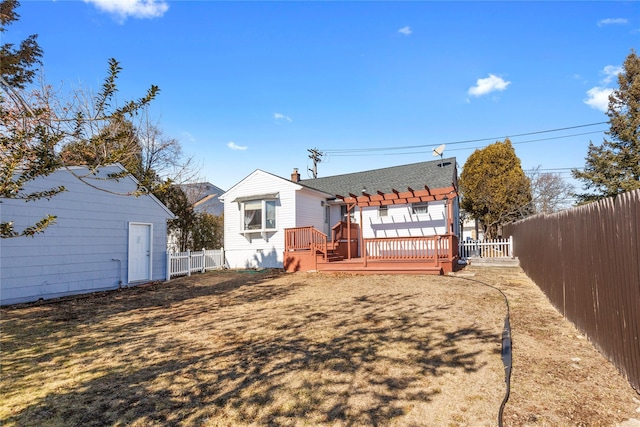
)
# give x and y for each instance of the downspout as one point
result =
(449, 217)
(363, 250)
(119, 271)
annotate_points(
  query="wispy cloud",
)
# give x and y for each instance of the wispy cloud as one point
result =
(598, 96)
(487, 85)
(188, 136)
(235, 146)
(122, 9)
(279, 117)
(611, 73)
(612, 21)
(406, 30)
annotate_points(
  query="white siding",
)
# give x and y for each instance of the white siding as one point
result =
(401, 222)
(310, 210)
(256, 250)
(80, 252)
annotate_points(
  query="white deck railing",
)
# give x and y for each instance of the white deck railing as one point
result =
(496, 248)
(185, 263)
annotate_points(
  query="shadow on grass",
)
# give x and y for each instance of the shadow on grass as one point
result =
(363, 360)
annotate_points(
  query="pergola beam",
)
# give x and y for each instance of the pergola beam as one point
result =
(397, 197)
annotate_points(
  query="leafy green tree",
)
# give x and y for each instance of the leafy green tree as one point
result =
(614, 167)
(494, 188)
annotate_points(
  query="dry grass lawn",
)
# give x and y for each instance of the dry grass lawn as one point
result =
(267, 348)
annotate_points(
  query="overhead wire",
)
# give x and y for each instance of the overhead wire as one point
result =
(360, 154)
(336, 151)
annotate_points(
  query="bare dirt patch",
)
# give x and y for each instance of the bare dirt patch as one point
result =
(265, 348)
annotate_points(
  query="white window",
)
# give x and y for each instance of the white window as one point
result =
(259, 215)
(383, 211)
(420, 208)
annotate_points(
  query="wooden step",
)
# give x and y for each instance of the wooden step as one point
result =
(331, 257)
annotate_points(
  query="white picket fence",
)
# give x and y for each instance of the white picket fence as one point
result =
(185, 263)
(496, 248)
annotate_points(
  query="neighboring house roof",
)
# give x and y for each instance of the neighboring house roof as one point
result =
(204, 197)
(434, 174)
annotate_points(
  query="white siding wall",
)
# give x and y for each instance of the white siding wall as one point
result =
(255, 250)
(76, 254)
(400, 222)
(310, 210)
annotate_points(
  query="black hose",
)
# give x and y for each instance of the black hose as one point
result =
(506, 348)
(506, 361)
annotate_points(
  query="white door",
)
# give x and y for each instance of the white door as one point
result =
(139, 252)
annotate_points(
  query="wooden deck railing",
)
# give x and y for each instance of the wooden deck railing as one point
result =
(423, 248)
(412, 248)
(305, 238)
(340, 231)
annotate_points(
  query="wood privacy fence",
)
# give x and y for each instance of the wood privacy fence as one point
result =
(185, 263)
(587, 261)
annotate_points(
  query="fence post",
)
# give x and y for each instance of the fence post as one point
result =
(511, 246)
(188, 262)
(168, 270)
(204, 261)
(222, 261)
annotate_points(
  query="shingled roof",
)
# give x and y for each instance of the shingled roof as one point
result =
(203, 196)
(434, 174)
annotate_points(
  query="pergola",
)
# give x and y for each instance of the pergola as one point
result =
(396, 197)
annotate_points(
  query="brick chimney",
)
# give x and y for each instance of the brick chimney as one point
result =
(295, 176)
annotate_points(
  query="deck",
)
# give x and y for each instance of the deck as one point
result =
(307, 249)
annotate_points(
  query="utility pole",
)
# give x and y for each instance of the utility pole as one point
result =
(316, 156)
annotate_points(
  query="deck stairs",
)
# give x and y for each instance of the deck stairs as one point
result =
(332, 255)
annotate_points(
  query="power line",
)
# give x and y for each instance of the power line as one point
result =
(359, 154)
(336, 151)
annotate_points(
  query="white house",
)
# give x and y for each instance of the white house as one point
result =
(416, 200)
(256, 212)
(104, 237)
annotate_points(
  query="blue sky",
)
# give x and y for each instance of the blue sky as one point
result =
(254, 85)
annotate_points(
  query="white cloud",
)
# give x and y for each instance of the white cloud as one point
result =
(279, 116)
(406, 30)
(598, 98)
(235, 146)
(132, 8)
(611, 73)
(487, 85)
(612, 21)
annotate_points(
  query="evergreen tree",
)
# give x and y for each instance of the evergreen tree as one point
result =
(494, 188)
(17, 65)
(614, 167)
(181, 227)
